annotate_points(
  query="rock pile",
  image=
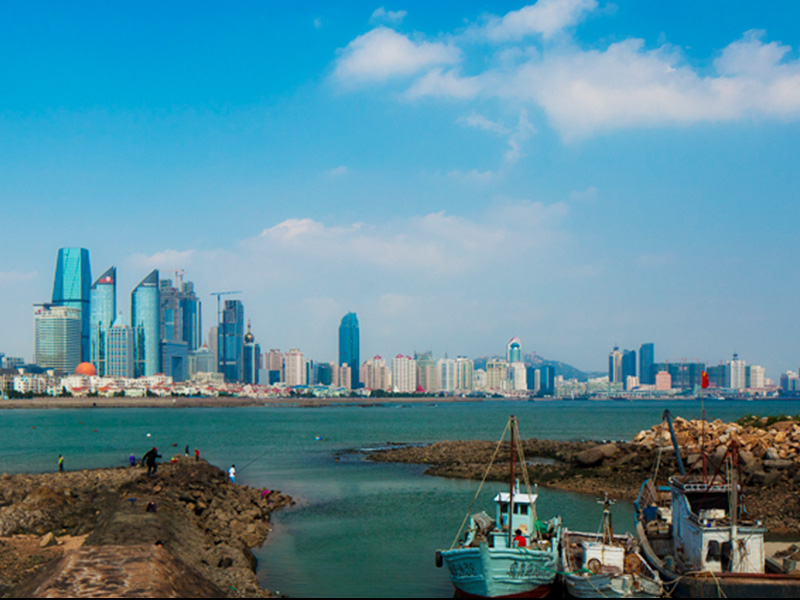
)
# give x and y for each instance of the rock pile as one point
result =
(188, 516)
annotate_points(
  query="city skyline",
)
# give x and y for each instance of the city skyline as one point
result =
(439, 171)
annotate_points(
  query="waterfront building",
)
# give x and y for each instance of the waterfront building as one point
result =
(547, 376)
(615, 365)
(446, 374)
(295, 365)
(230, 344)
(71, 287)
(103, 310)
(684, 375)
(497, 374)
(663, 381)
(628, 364)
(57, 337)
(251, 357)
(756, 377)
(273, 363)
(179, 312)
(175, 359)
(519, 376)
(426, 372)
(465, 369)
(345, 377)
(375, 375)
(144, 321)
(404, 374)
(646, 359)
(349, 345)
(718, 376)
(737, 373)
(202, 360)
(120, 350)
(514, 351)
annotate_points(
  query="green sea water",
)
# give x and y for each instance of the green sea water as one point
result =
(359, 529)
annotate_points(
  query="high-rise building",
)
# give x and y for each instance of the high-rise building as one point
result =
(144, 322)
(446, 374)
(628, 365)
(514, 350)
(426, 372)
(120, 349)
(375, 375)
(465, 368)
(295, 367)
(404, 374)
(252, 357)
(57, 337)
(103, 311)
(71, 287)
(179, 313)
(615, 365)
(737, 372)
(273, 363)
(647, 357)
(349, 346)
(230, 345)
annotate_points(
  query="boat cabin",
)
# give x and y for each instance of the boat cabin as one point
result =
(707, 535)
(523, 515)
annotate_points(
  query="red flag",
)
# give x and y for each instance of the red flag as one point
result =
(703, 380)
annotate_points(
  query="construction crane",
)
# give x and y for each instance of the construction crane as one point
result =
(221, 357)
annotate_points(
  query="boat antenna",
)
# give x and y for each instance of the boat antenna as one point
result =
(513, 450)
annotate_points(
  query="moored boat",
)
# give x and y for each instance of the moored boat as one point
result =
(513, 555)
(604, 565)
(694, 532)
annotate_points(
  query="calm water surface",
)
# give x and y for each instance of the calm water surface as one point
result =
(359, 529)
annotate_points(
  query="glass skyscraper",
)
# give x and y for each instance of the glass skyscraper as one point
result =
(71, 287)
(144, 321)
(103, 302)
(56, 337)
(646, 359)
(349, 346)
(230, 342)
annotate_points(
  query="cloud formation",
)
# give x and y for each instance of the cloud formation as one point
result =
(581, 91)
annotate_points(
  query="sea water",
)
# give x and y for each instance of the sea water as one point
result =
(358, 529)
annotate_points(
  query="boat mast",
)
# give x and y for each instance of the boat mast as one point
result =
(513, 423)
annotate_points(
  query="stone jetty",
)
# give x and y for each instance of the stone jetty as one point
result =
(769, 452)
(184, 532)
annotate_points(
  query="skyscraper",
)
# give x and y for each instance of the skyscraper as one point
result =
(230, 344)
(71, 287)
(120, 349)
(57, 337)
(179, 313)
(646, 360)
(349, 346)
(103, 304)
(252, 357)
(514, 350)
(144, 321)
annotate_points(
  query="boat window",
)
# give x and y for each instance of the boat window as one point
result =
(521, 509)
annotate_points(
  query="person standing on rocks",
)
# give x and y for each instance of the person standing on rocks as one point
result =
(150, 460)
(232, 473)
(60, 464)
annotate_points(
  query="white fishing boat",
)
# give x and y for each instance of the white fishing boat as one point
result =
(604, 565)
(510, 555)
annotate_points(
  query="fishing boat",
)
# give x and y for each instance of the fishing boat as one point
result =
(605, 565)
(694, 532)
(510, 555)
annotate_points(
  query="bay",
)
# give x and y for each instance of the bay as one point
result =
(358, 529)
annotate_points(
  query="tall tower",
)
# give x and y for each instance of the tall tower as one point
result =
(71, 287)
(514, 350)
(349, 346)
(646, 360)
(252, 357)
(103, 303)
(119, 361)
(230, 344)
(144, 321)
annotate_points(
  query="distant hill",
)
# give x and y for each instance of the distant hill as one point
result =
(561, 368)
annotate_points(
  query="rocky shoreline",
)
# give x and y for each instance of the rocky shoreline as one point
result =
(770, 458)
(186, 532)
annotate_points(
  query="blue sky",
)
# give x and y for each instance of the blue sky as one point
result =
(578, 173)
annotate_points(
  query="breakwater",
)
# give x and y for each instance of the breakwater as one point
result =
(185, 531)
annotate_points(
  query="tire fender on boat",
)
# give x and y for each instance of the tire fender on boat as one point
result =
(438, 558)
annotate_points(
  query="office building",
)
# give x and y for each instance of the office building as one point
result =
(230, 344)
(628, 365)
(426, 372)
(404, 374)
(120, 350)
(615, 365)
(273, 364)
(446, 374)
(647, 355)
(465, 369)
(179, 313)
(144, 322)
(375, 375)
(251, 357)
(349, 351)
(103, 312)
(71, 287)
(295, 365)
(57, 337)
(738, 373)
(514, 350)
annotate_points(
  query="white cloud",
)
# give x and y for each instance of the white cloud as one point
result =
(165, 259)
(338, 171)
(15, 277)
(582, 92)
(382, 53)
(381, 15)
(546, 18)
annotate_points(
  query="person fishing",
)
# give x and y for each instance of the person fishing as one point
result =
(149, 459)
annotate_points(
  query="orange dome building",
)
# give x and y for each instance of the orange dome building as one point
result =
(86, 368)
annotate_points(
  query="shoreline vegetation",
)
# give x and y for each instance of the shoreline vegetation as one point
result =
(186, 531)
